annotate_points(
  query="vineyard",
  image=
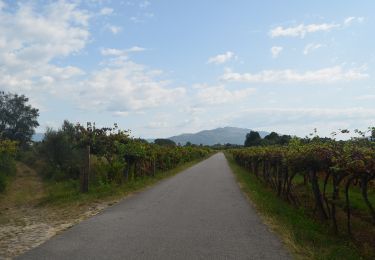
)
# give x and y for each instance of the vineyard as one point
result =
(102, 156)
(333, 179)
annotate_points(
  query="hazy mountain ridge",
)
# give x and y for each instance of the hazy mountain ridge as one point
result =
(223, 135)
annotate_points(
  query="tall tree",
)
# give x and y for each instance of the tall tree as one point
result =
(272, 138)
(17, 118)
(252, 139)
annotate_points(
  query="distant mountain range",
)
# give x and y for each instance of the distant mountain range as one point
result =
(223, 135)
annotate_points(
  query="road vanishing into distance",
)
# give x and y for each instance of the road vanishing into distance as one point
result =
(198, 214)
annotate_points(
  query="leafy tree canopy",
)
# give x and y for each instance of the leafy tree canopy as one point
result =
(252, 139)
(18, 119)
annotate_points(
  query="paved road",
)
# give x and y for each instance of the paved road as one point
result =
(198, 214)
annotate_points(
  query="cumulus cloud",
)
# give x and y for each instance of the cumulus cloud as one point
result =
(275, 51)
(124, 88)
(301, 30)
(311, 47)
(59, 29)
(222, 58)
(325, 75)
(213, 95)
(31, 39)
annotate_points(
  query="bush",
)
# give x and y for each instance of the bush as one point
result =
(62, 155)
(104, 172)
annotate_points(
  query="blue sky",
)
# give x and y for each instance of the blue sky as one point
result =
(162, 68)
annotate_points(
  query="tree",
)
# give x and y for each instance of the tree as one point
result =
(272, 138)
(253, 139)
(164, 142)
(17, 118)
(372, 134)
(284, 139)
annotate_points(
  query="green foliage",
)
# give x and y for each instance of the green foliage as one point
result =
(341, 166)
(7, 164)
(61, 153)
(252, 139)
(164, 142)
(307, 238)
(17, 118)
(118, 157)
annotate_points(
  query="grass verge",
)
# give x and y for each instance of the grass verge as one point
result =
(305, 237)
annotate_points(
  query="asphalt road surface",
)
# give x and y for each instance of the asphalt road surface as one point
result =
(198, 214)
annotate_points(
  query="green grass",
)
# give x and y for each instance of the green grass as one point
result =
(305, 237)
(67, 192)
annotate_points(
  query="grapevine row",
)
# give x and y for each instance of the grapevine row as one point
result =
(339, 164)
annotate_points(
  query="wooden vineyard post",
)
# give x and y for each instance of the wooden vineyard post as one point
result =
(86, 171)
(154, 167)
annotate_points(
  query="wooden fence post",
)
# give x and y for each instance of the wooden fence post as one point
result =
(86, 171)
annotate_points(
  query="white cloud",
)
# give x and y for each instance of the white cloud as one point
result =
(118, 52)
(59, 29)
(121, 113)
(275, 51)
(106, 11)
(124, 88)
(325, 75)
(31, 39)
(114, 29)
(351, 19)
(222, 58)
(136, 49)
(311, 47)
(213, 95)
(366, 97)
(301, 30)
(112, 52)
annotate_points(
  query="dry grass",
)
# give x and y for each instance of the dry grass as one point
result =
(24, 224)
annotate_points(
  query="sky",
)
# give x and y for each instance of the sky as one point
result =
(162, 68)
